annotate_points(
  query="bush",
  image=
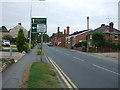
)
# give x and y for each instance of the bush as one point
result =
(118, 45)
(26, 47)
(39, 52)
(34, 43)
(7, 37)
(20, 41)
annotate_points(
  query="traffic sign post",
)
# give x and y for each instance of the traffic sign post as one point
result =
(39, 25)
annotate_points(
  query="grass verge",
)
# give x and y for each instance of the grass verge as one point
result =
(42, 76)
(8, 50)
(39, 52)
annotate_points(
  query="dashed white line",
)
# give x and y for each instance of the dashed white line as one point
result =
(78, 58)
(105, 69)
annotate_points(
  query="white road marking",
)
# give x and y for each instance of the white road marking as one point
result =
(78, 58)
(105, 69)
(66, 54)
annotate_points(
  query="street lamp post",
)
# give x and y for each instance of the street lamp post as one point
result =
(30, 25)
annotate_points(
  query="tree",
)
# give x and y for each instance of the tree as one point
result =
(7, 37)
(20, 40)
(98, 39)
(46, 38)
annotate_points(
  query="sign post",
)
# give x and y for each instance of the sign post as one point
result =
(39, 25)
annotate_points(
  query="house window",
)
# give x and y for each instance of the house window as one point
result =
(116, 37)
(90, 36)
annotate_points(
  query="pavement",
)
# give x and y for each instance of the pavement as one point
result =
(84, 69)
(12, 77)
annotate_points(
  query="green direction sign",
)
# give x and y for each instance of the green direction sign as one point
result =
(39, 25)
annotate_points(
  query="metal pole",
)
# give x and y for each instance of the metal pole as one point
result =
(41, 44)
(10, 52)
(30, 25)
(87, 33)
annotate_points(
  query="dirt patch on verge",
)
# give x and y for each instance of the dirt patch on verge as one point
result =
(109, 55)
(25, 77)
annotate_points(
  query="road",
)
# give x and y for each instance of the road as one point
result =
(11, 78)
(85, 70)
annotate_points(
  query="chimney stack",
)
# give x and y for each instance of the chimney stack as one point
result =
(19, 24)
(111, 25)
(65, 31)
(68, 30)
(102, 25)
(87, 23)
(58, 30)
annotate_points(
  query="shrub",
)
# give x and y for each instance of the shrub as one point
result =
(39, 52)
(26, 47)
(20, 40)
(7, 37)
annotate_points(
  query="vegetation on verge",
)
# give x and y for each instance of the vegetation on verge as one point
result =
(8, 50)
(21, 42)
(42, 76)
(39, 52)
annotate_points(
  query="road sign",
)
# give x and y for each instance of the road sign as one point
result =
(39, 25)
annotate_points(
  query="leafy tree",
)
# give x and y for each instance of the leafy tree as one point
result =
(98, 39)
(46, 38)
(20, 40)
(7, 37)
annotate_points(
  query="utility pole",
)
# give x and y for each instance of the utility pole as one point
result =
(87, 33)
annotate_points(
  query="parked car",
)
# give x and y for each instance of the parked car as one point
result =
(49, 44)
(6, 43)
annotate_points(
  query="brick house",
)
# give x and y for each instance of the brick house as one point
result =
(75, 38)
(109, 31)
(58, 38)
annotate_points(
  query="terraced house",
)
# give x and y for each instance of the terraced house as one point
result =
(75, 38)
(58, 38)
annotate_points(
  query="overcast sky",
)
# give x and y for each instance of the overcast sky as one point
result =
(60, 13)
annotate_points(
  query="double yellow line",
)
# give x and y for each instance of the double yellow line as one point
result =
(65, 78)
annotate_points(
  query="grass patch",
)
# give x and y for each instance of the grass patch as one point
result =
(8, 50)
(39, 47)
(42, 76)
(14, 46)
(39, 52)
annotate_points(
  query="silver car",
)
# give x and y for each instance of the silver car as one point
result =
(6, 43)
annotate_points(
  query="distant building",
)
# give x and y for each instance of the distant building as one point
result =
(75, 38)
(3, 31)
(58, 38)
(109, 31)
(14, 31)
